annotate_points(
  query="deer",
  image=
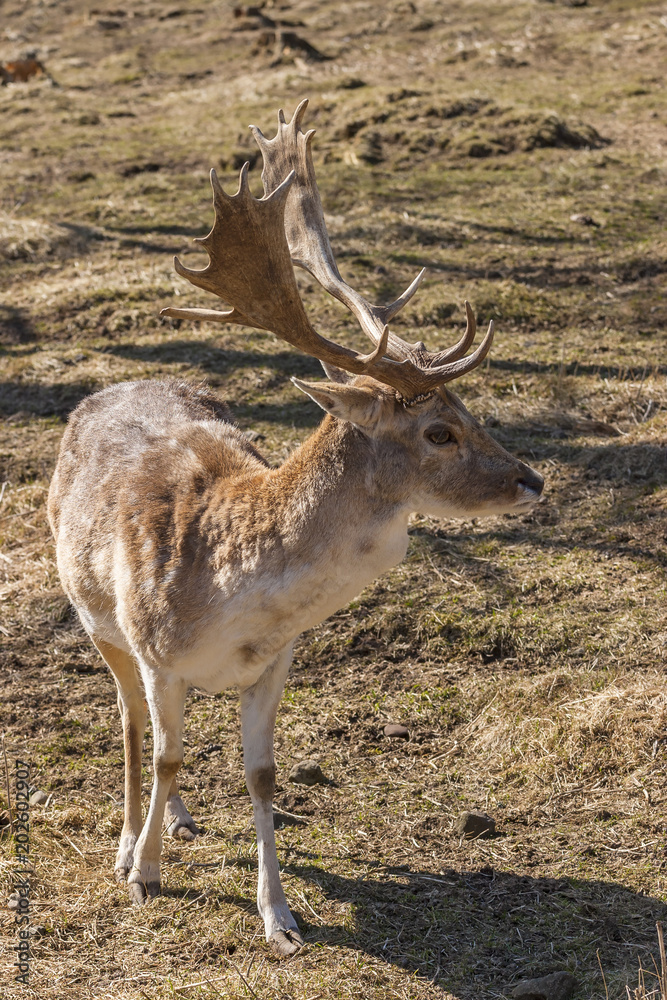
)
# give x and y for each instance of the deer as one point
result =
(194, 563)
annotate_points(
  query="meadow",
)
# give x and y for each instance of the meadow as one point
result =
(518, 150)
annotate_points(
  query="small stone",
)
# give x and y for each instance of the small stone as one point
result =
(583, 220)
(38, 798)
(350, 83)
(14, 901)
(557, 986)
(397, 732)
(37, 930)
(472, 825)
(307, 772)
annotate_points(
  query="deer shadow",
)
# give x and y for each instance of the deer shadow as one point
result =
(475, 934)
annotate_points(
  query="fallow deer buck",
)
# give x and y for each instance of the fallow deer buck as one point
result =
(192, 562)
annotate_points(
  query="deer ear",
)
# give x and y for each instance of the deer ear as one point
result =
(336, 374)
(346, 402)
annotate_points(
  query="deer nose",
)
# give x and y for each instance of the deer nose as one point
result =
(530, 479)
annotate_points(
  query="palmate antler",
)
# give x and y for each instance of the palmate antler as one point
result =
(253, 245)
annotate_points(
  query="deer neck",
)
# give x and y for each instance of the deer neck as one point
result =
(338, 497)
(294, 545)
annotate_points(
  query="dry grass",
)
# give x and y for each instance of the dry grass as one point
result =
(525, 655)
(651, 983)
(29, 239)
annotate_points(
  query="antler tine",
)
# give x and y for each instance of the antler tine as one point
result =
(458, 350)
(306, 231)
(388, 312)
(435, 377)
(250, 267)
(202, 315)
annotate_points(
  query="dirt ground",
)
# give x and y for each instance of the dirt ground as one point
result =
(519, 151)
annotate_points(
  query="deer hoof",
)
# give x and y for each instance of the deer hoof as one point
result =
(285, 943)
(137, 892)
(120, 874)
(183, 832)
(178, 820)
(141, 892)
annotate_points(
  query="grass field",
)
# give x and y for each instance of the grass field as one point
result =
(519, 151)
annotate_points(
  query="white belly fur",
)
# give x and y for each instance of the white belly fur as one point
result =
(252, 627)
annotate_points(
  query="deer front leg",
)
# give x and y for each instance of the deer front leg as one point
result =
(166, 698)
(177, 820)
(259, 705)
(132, 708)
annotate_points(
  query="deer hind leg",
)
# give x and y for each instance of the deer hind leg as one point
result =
(177, 820)
(166, 698)
(132, 708)
(259, 705)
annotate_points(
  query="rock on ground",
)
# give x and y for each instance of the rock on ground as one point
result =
(557, 986)
(475, 824)
(307, 772)
(396, 731)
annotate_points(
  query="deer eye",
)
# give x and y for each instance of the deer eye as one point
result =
(438, 435)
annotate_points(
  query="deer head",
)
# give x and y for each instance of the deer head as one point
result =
(395, 393)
